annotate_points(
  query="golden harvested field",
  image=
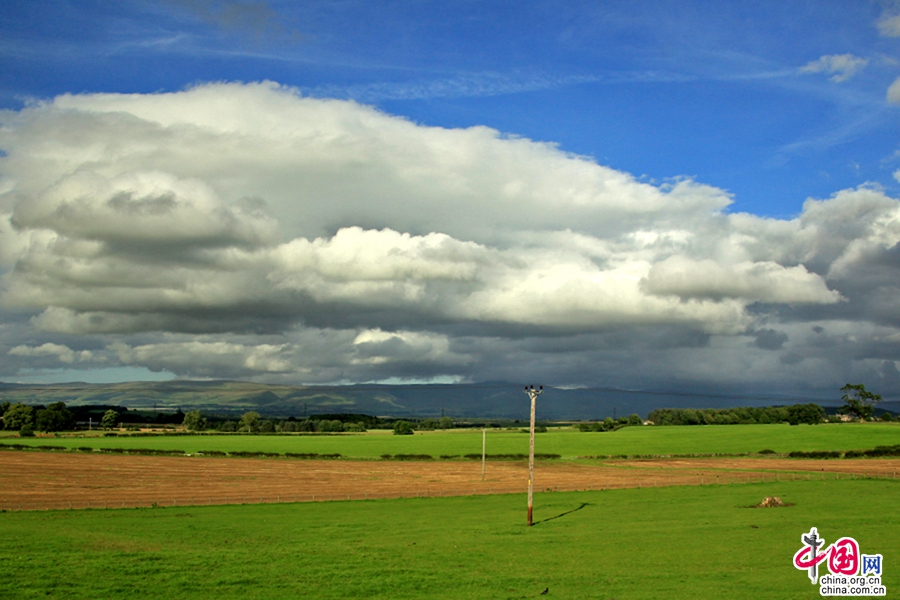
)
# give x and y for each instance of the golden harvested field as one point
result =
(42, 480)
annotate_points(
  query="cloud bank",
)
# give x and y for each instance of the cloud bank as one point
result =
(245, 231)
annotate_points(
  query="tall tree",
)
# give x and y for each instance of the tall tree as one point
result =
(110, 419)
(194, 421)
(250, 421)
(858, 401)
(55, 417)
(17, 416)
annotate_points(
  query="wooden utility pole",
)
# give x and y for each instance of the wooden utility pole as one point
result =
(483, 450)
(534, 393)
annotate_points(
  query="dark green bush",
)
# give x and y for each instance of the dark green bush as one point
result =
(815, 454)
(248, 454)
(877, 451)
(403, 428)
(508, 456)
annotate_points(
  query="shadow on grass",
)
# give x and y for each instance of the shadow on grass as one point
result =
(560, 515)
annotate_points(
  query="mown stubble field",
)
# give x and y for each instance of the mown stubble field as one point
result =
(44, 480)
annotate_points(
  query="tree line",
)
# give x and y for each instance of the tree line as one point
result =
(57, 417)
(745, 415)
(253, 422)
(26, 419)
(610, 424)
(859, 404)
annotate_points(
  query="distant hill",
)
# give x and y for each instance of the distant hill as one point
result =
(496, 400)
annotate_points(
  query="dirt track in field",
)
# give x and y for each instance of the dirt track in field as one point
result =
(41, 480)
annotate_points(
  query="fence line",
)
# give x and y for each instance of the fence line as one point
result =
(729, 478)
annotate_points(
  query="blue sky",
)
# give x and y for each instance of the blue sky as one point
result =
(711, 90)
(603, 151)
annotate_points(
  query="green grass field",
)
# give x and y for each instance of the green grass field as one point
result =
(709, 439)
(669, 543)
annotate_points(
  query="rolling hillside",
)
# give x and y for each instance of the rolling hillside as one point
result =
(484, 400)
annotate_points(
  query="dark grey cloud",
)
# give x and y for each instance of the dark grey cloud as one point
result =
(770, 339)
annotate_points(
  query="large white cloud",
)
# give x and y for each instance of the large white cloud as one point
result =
(393, 248)
(323, 164)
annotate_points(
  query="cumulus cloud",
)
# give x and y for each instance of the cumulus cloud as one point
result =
(377, 347)
(246, 231)
(764, 281)
(63, 353)
(889, 25)
(893, 93)
(841, 66)
(323, 164)
(143, 208)
(207, 357)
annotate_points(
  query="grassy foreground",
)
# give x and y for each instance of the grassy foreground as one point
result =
(706, 439)
(689, 542)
